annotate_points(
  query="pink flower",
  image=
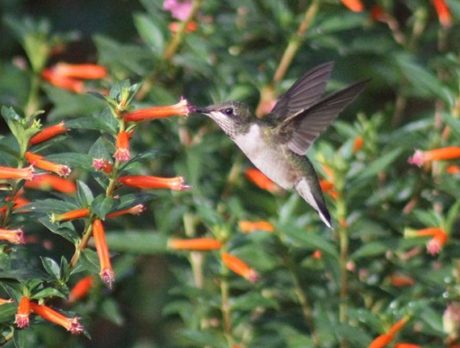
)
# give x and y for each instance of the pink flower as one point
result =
(180, 9)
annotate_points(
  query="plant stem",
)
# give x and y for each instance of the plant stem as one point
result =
(226, 311)
(32, 104)
(83, 242)
(296, 41)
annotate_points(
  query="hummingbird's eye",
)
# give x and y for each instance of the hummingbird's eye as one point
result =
(228, 111)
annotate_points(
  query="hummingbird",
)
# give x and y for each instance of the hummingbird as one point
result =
(278, 142)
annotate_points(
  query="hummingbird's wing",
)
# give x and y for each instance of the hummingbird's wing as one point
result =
(300, 130)
(305, 92)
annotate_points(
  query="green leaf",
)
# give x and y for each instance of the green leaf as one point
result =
(49, 206)
(65, 230)
(7, 312)
(51, 267)
(377, 166)
(111, 311)
(303, 239)
(73, 159)
(375, 248)
(150, 33)
(423, 80)
(102, 205)
(137, 242)
(84, 194)
(49, 293)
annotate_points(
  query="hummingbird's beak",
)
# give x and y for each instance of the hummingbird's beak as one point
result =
(201, 110)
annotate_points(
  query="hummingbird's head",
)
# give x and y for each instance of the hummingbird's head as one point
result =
(231, 116)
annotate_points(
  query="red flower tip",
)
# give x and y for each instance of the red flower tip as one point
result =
(23, 312)
(108, 277)
(358, 143)
(445, 18)
(417, 158)
(103, 165)
(122, 152)
(75, 326)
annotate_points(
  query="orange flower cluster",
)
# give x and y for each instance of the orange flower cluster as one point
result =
(70, 76)
(385, 339)
(26, 307)
(438, 238)
(377, 13)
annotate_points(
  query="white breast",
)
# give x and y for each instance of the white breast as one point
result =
(267, 159)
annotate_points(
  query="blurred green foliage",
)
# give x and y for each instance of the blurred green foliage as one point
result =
(165, 298)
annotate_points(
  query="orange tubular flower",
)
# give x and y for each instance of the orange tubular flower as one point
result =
(103, 165)
(383, 340)
(154, 182)
(353, 5)
(70, 215)
(40, 162)
(26, 173)
(198, 244)
(445, 18)
(50, 181)
(63, 82)
(238, 266)
(419, 158)
(252, 226)
(80, 71)
(317, 255)
(453, 169)
(122, 152)
(107, 274)
(379, 14)
(81, 289)
(407, 345)
(261, 180)
(13, 236)
(358, 144)
(134, 210)
(48, 133)
(23, 312)
(182, 108)
(435, 244)
(70, 324)
(400, 280)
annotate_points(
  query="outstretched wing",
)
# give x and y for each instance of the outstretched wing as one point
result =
(300, 130)
(305, 92)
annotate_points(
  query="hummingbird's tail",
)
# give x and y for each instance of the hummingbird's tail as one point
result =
(314, 198)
